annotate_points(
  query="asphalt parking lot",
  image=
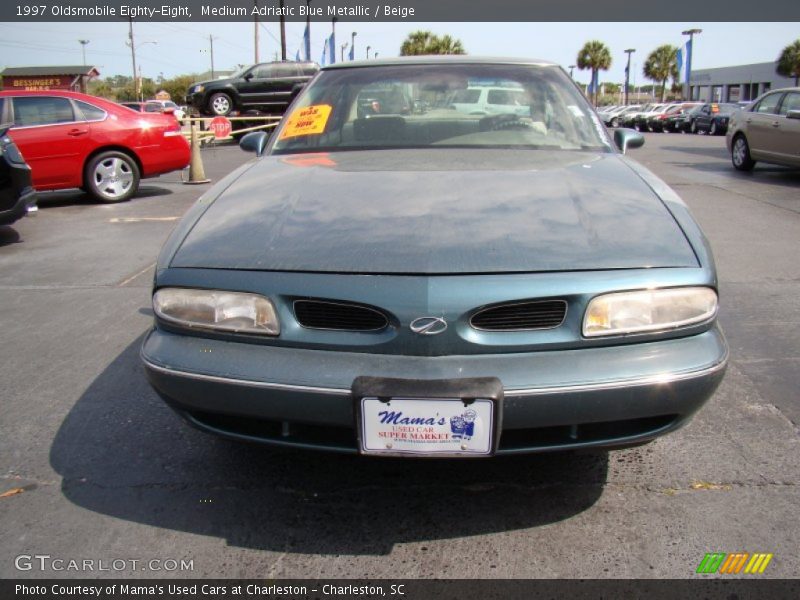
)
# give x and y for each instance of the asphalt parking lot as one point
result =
(109, 472)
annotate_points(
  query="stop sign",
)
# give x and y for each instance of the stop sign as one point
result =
(221, 127)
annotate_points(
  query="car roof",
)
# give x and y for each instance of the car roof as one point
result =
(448, 59)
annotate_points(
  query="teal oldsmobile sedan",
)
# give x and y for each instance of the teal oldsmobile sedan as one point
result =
(401, 278)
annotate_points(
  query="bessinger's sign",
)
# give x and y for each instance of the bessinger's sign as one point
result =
(39, 83)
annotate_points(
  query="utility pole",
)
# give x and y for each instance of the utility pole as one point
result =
(255, 32)
(211, 44)
(629, 51)
(133, 56)
(344, 47)
(689, 49)
(308, 31)
(83, 49)
(283, 30)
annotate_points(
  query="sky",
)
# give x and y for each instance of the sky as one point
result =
(182, 47)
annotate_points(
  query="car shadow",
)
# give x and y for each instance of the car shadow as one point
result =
(8, 235)
(714, 152)
(121, 452)
(76, 197)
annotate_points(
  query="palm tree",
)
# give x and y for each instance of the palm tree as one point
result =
(425, 42)
(596, 56)
(661, 64)
(789, 61)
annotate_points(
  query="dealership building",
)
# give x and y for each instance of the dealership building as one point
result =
(72, 77)
(736, 84)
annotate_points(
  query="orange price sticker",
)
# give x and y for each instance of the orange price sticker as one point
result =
(310, 120)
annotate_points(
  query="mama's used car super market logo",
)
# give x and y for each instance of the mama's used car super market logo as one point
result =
(732, 564)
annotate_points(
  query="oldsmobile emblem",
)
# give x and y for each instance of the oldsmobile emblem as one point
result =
(428, 325)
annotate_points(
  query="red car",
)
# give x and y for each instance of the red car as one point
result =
(72, 140)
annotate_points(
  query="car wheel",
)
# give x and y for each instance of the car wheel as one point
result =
(713, 129)
(220, 104)
(693, 127)
(740, 154)
(615, 123)
(111, 176)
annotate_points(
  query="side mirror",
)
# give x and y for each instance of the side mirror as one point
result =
(793, 114)
(248, 76)
(255, 141)
(628, 138)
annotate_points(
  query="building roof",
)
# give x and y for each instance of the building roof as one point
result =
(50, 71)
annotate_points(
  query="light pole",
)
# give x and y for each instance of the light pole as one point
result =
(689, 47)
(353, 44)
(333, 40)
(255, 31)
(282, 20)
(629, 51)
(374, 55)
(368, 49)
(308, 30)
(571, 68)
(344, 47)
(83, 49)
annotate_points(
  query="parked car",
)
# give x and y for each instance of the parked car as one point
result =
(664, 121)
(17, 197)
(490, 100)
(72, 140)
(157, 106)
(640, 122)
(437, 283)
(713, 118)
(613, 119)
(767, 130)
(628, 120)
(681, 121)
(268, 87)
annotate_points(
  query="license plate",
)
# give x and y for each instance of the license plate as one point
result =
(427, 426)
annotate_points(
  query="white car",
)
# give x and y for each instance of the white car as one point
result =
(491, 101)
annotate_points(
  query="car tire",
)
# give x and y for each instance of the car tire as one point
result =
(713, 129)
(740, 154)
(220, 104)
(693, 127)
(111, 176)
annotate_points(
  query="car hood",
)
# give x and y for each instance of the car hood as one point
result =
(437, 211)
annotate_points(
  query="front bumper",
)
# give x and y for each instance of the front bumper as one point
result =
(555, 400)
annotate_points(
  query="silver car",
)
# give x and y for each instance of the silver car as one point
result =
(768, 130)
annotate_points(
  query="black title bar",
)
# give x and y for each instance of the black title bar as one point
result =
(399, 10)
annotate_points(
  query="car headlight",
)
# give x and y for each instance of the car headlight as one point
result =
(197, 89)
(622, 313)
(237, 312)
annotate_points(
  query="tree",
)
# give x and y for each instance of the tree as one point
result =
(789, 61)
(661, 64)
(425, 42)
(596, 57)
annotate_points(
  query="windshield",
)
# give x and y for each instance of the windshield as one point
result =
(461, 106)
